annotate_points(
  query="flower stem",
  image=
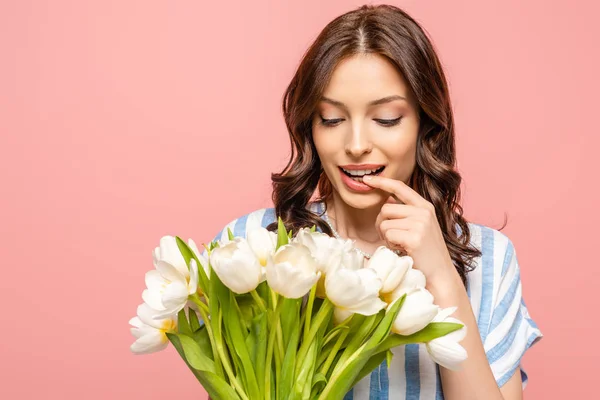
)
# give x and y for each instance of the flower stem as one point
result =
(334, 351)
(204, 313)
(259, 300)
(308, 312)
(270, 348)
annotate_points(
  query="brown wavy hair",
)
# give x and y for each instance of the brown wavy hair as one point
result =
(389, 31)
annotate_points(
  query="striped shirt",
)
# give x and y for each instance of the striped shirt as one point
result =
(495, 292)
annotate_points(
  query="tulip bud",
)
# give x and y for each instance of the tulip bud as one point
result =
(236, 266)
(416, 312)
(293, 271)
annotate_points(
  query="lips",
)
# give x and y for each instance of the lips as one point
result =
(377, 172)
(361, 166)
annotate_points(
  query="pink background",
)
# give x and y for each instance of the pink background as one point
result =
(122, 121)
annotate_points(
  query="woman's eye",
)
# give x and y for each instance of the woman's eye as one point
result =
(389, 122)
(330, 122)
(384, 122)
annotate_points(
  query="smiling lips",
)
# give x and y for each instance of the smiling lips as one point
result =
(359, 170)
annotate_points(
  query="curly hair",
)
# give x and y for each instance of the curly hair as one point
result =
(388, 31)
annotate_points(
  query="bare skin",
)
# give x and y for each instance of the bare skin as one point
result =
(357, 133)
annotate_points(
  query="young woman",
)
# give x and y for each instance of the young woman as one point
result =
(373, 159)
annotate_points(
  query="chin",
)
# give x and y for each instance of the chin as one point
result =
(360, 201)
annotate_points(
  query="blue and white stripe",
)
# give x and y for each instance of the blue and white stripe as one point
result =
(495, 291)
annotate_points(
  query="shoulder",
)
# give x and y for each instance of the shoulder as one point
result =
(496, 248)
(495, 274)
(240, 225)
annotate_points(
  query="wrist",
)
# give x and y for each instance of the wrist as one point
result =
(446, 283)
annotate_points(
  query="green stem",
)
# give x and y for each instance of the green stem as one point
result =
(308, 313)
(196, 299)
(204, 313)
(234, 381)
(334, 351)
(339, 371)
(270, 348)
(259, 300)
(322, 315)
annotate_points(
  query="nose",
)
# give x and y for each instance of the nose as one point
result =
(358, 141)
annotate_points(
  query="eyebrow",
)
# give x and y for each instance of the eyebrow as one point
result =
(383, 100)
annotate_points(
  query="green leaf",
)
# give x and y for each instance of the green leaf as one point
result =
(193, 353)
(289, 363)
(215, 385)
(188, 254)
(384, 328)
(319, 381)
(182, 323)
(290, 315)
(258, 336)
(432, 331)
(388, 358)
(282, 237)
(194, 323)
(230, 234)
(233, 324)
(353, 360)
(373, 362)
(313, 228)
(307, 365)
(201, 337)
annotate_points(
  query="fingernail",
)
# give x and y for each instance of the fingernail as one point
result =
(367, 178)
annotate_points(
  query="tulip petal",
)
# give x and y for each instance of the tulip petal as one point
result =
(369, 306)
(170, 253)
(346, 288)
(193, 284)
(150, 343)
(153, 299)
(289, 280)
(447, 353)
(340, 315)
(263, 243)
(154, 280)
(416, 312)
(175, 296)
(412, 279)
(146, 315)
(168, 271)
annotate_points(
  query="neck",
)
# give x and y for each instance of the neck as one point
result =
(354, 223)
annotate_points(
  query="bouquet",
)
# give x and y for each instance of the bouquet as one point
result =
(284, 317)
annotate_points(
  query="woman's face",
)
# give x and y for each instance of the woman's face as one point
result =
(351, 127)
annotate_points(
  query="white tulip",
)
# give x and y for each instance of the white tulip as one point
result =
(293, 271)
(416, 312)
(168, 289)
(263, 243)
(413, 279)
(169, 252)
(330, 254)
(445, 350)
(150, 333)
(236, 265)
(390, 267)
(354, 292)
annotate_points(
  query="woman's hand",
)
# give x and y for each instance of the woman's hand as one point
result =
(407, 221)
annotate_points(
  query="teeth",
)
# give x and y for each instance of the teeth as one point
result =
(360, 172)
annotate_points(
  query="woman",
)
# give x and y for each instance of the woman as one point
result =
(371, 127)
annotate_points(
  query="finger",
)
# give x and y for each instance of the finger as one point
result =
(404, 224)
(392, 211)
(400, 239)
(403, 192)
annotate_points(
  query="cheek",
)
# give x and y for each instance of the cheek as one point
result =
(324, 145)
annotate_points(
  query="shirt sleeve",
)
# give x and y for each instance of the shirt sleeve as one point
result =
(511, 331)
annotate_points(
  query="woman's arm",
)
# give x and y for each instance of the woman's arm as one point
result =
(475, 379)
